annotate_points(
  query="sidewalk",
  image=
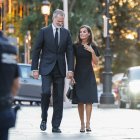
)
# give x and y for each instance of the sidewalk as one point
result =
(106, 124)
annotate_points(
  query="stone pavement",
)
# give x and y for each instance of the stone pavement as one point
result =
(106, 124)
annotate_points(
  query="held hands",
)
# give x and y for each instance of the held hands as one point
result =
(72, 81)
(36, 74)
(70, 76)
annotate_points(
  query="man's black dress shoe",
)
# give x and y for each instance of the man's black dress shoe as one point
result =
(43, 125)
(56, 130)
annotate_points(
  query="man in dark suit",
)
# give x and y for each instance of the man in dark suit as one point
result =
(9, 85)
(52, 44)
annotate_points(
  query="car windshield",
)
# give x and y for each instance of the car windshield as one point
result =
(25, 71)
(134, 74)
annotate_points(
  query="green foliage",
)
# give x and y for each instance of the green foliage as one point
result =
(125, 51)
(83, 12)
(126, 54)
(32, 23)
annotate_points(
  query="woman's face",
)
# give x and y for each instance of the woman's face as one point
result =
(84, 34)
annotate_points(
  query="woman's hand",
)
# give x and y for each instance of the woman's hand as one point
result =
(72, 81)
(94, 57)
(88, 48)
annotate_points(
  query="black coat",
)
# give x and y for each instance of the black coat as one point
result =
(49, 53)
(8, 73)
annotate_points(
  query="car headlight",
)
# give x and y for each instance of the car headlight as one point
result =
(134, 87)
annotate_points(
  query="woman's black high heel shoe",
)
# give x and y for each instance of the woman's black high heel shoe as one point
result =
(88, 129)
(82, 130)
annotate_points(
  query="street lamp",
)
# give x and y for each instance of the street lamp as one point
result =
(45, 10)
(107, 96)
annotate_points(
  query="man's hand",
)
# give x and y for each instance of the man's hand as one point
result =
(70, 75)
(35, 74)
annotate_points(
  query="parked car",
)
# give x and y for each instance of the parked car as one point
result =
(129, 88)
(117, 78)
(30, 89)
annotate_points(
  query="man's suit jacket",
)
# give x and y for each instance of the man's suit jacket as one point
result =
(48, 53)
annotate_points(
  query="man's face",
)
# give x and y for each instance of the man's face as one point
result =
(58, 21)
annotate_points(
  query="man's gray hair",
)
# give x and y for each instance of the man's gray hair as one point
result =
(58, 12)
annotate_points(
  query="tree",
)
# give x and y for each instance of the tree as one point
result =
(124, 22)
(83, 12)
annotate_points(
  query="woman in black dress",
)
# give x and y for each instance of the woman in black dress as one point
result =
(86, 54)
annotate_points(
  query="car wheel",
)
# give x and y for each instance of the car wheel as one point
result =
(14, 102)
(122, 104)
(38, 103)
(19, 102)
(31, 103)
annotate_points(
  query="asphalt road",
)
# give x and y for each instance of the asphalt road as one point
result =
(106, 124)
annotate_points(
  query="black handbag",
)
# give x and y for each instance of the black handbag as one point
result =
(69, 93)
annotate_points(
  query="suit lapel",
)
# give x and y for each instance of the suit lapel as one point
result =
(51, 33)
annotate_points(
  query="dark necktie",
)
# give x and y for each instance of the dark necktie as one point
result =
(56, 37)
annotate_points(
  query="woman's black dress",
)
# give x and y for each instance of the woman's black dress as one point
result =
(85, 87)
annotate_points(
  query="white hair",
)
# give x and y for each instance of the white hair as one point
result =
(58, 12)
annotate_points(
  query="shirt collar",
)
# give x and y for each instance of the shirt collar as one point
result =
(54, 28)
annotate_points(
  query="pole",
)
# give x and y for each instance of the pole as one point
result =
(107, 96)
(25, 49)
(65, 8)
(46, 19)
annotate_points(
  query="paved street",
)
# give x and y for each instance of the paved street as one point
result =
(106, 124)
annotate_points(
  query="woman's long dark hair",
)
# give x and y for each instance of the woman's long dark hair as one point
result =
(90, 38)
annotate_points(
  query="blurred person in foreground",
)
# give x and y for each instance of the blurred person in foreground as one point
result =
(52, 44)
(9, 85)
(86, 54)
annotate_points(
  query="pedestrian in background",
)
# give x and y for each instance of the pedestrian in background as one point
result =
(9, 85)
(86, 53)
(52, 43)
